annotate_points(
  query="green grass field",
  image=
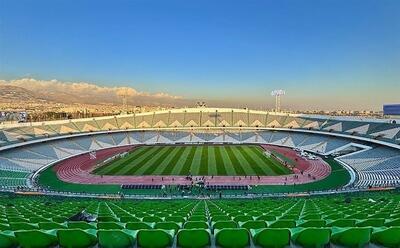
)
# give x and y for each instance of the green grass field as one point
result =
(339, 177)
(229, 160)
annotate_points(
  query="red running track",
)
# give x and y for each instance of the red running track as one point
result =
(77, 170)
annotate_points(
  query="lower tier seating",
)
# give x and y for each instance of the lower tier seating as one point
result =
(370, 218)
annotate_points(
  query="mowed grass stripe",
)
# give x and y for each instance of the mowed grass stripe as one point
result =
(229, 165)
(150, 166)
(220, 161)
(135, 166)
(188, 162)
(263, 163)
(195, 166)
(176, 155)
(247, 167)
(167, 159)
(275, 165)
(128, 166)
(204, 161)
(113, 165)
(250, 162)
(235, 161)
(118, 165)
(212, 164)
(137, 160)
(178, 167)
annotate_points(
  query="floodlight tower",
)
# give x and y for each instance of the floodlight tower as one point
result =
(277, 94)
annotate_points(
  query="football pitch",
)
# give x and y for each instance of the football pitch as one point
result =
(212, 160)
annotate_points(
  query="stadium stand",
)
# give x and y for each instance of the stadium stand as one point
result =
(28, 147)
(365, 220)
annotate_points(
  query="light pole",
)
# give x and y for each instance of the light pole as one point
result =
(277, 94)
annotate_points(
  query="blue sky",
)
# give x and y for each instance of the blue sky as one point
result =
(344, 53)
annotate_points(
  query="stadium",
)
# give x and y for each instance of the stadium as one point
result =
(201, 177)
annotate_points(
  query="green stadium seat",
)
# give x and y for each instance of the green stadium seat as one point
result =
(342, 223)
(107, 219)
(392, 222)
(242, 218)
(197, 218)
(193, 238)
(271, 237)
(37, 219)
(266, 217)
(220, 218)
(139, 225)
(311, 236)
(168, 225)
(126, 219)
(358, 216)
(51, 225)
(253, 224)
(7, 239)
(311, 223)
(377, 222)
(282, 223)
(23, 226)
(232, 237)
(81, 225)
(386, 236)
(59, 219)
(4, 227)
(110, 225)
(18, 219)
(116, 238)
(224, 224)
(195, 224)
(36, 238)
(77, 238)
(155, 238)
(311, 217)
(152, 219)
(177, 219)
(353, 236)
(334, 216)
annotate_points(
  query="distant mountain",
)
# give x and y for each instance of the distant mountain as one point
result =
(81, 92)
(10, 93)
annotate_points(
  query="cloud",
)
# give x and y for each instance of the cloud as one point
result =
(85, 92)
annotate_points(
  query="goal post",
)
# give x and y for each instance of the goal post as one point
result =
(267, 153)
(92, 154)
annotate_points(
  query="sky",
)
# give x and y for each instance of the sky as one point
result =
(326, 54)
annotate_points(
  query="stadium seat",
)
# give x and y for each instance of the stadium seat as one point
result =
(193, 238)
(282, 224)
(195, 224)
(253, 224)
(77, 238)
(224, 224)
(310, 223)
(110, 225)
(36, 238)
(7, 239)
(311, 236)
(51, 225)
(271, 237)
(116, 238)
(386, 236)
(342, 223)
(23, 226)
(81, 225)
(139, 225)
(155, 238)
(232, 237)
(168, 225)
(354, 236)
